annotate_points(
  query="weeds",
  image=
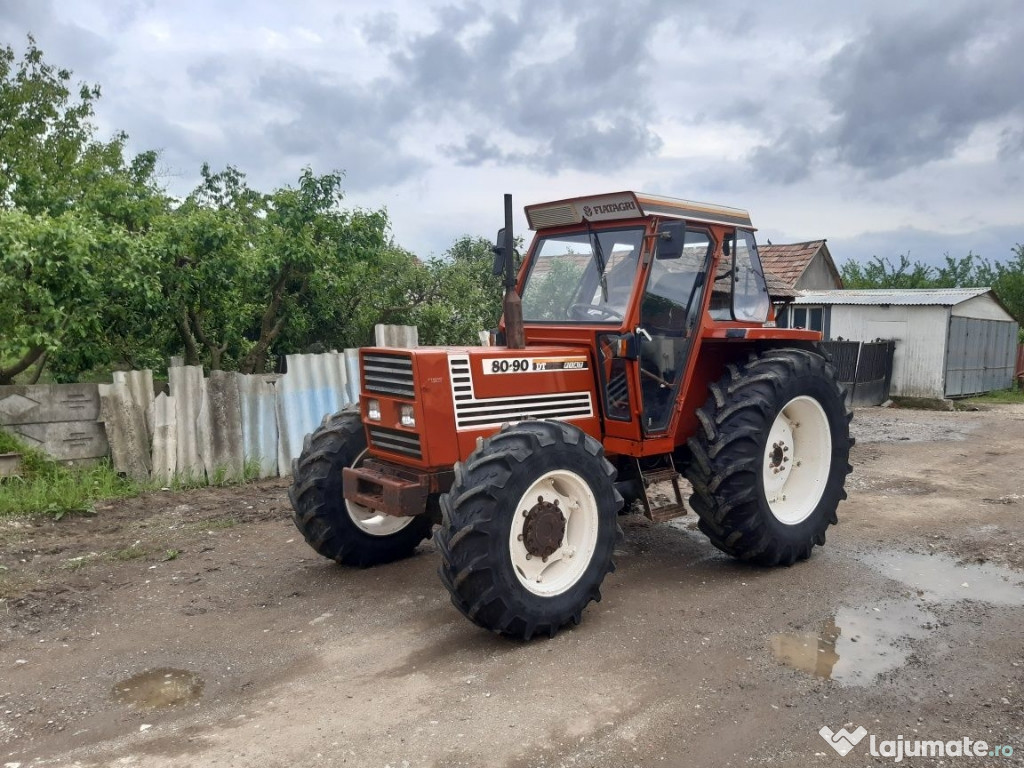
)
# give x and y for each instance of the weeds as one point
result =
(49, 487)
(46, 487)
(1003, 396)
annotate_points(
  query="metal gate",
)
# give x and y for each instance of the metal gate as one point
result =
(980, 356)
(864, 369)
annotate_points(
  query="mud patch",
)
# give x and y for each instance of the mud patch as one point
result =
(159, 688)
(939, 578)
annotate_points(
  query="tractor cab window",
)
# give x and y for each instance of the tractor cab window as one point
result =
(740, 291)
(582, 277)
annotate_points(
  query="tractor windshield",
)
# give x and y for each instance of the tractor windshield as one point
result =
(582, 277)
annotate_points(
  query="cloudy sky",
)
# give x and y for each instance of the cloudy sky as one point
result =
(886, 127)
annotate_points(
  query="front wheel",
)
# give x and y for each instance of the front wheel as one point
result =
(528, 529)
(334, 526)
(771, 457)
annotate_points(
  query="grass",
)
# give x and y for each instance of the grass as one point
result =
(1003, 396)
(49, 487)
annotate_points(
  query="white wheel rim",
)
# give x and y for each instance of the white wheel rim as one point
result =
(369, 520)
(797, 460)
(558, 572)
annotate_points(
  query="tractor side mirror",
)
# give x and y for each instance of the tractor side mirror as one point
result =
(671, 236)
(499, 253)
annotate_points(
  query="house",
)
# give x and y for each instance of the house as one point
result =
(950, 342)
(790, 269)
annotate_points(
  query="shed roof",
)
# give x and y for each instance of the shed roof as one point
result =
(788, 262)
(942, 297)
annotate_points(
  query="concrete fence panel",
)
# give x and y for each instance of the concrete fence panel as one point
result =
(125, 425)
(220, 428)
(165, 438)
(62, 420)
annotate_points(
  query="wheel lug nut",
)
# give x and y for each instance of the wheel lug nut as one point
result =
(529, 556)
(519, 537)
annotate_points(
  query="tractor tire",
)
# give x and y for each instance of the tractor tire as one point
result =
(334, 527)
(770, 457)
(514, 561)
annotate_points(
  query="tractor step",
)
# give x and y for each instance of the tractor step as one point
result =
(666, 511)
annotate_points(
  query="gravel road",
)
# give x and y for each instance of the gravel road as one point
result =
(197, 628)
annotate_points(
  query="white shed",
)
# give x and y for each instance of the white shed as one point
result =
(950, 342)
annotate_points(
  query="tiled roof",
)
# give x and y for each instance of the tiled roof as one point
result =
(777, 287)
(788, 262)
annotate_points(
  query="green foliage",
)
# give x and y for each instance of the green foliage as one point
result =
(100, 269)
(1006, 278)
(463, 296)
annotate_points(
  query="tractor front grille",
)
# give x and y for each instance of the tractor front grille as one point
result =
(387, 374)
(406, 443)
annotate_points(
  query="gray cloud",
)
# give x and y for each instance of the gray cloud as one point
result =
(906, 92)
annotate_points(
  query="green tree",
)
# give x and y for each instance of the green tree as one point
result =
(71, 260)
(464, 297)
(48, 281)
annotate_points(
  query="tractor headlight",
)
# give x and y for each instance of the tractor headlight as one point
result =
(406, 417)
(373, 410)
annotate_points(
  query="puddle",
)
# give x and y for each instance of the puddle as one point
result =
(856, 645)
(160, 688)
(940, 578)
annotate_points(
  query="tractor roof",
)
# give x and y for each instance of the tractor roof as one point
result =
(629, 205)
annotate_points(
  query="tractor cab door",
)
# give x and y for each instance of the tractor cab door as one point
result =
(669, 314)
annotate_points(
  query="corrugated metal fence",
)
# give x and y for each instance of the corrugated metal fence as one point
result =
(217, 427)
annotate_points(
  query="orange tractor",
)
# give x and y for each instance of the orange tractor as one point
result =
(638, 342)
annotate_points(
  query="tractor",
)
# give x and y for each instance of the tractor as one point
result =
(637, 347)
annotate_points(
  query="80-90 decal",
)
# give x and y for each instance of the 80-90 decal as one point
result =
(533, 364)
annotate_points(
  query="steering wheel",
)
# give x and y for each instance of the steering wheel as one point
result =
(583, 311)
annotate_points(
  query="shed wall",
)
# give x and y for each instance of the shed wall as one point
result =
(982, 307)
(920, 335)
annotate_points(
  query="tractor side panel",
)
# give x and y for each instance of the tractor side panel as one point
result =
(492, 386)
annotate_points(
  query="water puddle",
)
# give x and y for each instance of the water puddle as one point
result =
(160, 688)
(939, 578)
(856, 645)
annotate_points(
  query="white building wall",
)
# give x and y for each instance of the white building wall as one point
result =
(982, 307)
(920, 334)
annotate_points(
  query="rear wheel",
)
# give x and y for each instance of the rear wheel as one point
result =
(335, 527)
(528, 529)
(771, 457)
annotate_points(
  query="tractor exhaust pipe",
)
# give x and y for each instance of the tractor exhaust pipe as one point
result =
(512, 305)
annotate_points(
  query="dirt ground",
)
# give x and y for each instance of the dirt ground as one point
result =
(197, 628)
